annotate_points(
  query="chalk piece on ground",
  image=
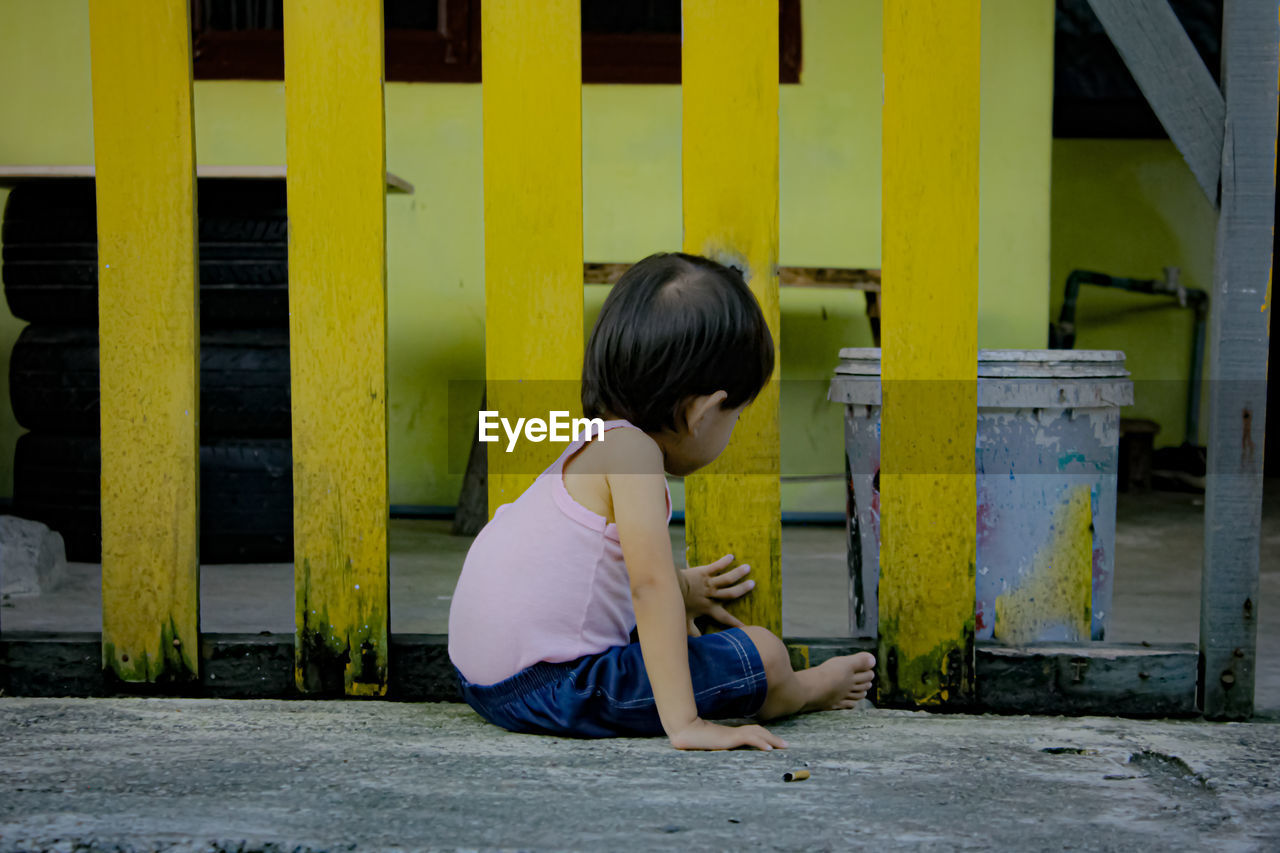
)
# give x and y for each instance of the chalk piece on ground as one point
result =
(795, 776)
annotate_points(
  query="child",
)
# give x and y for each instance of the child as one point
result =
(540, 627)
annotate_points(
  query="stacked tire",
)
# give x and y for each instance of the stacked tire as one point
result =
(50, 280)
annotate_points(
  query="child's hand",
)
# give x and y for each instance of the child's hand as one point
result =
(703, 589)
(701, 734)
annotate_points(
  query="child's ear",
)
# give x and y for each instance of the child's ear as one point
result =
(701, 406)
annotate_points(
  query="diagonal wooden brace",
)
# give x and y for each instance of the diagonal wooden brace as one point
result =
(1174, 79)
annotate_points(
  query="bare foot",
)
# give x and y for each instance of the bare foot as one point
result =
(839, 682)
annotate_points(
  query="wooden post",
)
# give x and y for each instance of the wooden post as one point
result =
(532, 224)
(1174, 79)
(337, 334)
(929, 370)
(148, 337)
(1238, 321)
(730, 164)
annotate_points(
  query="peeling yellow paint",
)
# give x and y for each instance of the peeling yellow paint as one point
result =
(532, 105)
(337, 337)
(1057, 590)
(149, 344)
(730, 168)
(930, 353)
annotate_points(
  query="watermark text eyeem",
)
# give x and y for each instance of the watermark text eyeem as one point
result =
(557, 427)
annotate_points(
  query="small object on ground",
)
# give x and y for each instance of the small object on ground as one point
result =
(795, 776)
(1069, 750)
(33, 558)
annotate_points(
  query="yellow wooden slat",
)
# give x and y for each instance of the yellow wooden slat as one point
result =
(149, 342)
(532, 224)
(929, 329)
(730, 165)
(337, 332)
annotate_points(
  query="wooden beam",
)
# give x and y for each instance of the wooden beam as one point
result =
(1098, 678)
(1239, 313)
(1173, 77)
(1115, 679)
(149, 337)
(731, 215)
(335, 148)
(532, 105)
(930, 361)
(37, 663)
(12, 175)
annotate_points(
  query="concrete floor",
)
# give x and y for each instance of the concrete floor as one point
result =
(292, 777)
(1159, 542)
(183, 775)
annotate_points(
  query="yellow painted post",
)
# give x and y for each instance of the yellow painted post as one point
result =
(532, 224)
(338, 334)
(148, 337)
(730, 164)
(930, 289)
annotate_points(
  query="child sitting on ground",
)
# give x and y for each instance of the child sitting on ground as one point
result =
(541, 623)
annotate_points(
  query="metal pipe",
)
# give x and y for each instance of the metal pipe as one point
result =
(1062, 335)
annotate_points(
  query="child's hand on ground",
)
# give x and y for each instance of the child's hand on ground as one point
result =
(701, 734)
(704, 587)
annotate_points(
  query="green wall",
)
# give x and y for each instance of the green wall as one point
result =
(1130, 208)
(830, 205)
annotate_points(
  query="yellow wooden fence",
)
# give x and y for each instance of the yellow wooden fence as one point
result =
(144, 150)
(533, 278)
(929, 334)
(730, 80)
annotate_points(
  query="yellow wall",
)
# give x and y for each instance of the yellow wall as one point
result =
(1130, 208)
(830, 205)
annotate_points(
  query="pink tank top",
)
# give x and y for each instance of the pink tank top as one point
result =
(543, 581)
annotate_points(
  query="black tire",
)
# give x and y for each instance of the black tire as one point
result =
(21, 269)
(246, 496)
(244, 382)
(222, 306)
(50, 265)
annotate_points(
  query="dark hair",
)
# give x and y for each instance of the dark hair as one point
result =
(674, 326)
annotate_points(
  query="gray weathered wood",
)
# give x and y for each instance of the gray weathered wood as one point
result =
(1097, 678)
(247, 666)
(233, 666)
(1173, 77)
(421, 670)
(1116, 679)
(1238, 321)
(43, 664)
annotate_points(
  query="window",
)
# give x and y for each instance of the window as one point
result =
(435, 40)
(623, 41)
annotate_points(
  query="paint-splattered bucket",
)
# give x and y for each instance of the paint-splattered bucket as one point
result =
(1047, 451)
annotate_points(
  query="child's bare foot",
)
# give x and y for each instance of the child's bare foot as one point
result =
(839, 682)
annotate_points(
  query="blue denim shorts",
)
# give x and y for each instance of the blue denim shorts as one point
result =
(608, 694)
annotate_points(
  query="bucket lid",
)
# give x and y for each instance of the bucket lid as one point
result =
(1009, 363)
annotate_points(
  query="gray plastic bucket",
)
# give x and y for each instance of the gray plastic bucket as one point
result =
(1048, 437)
